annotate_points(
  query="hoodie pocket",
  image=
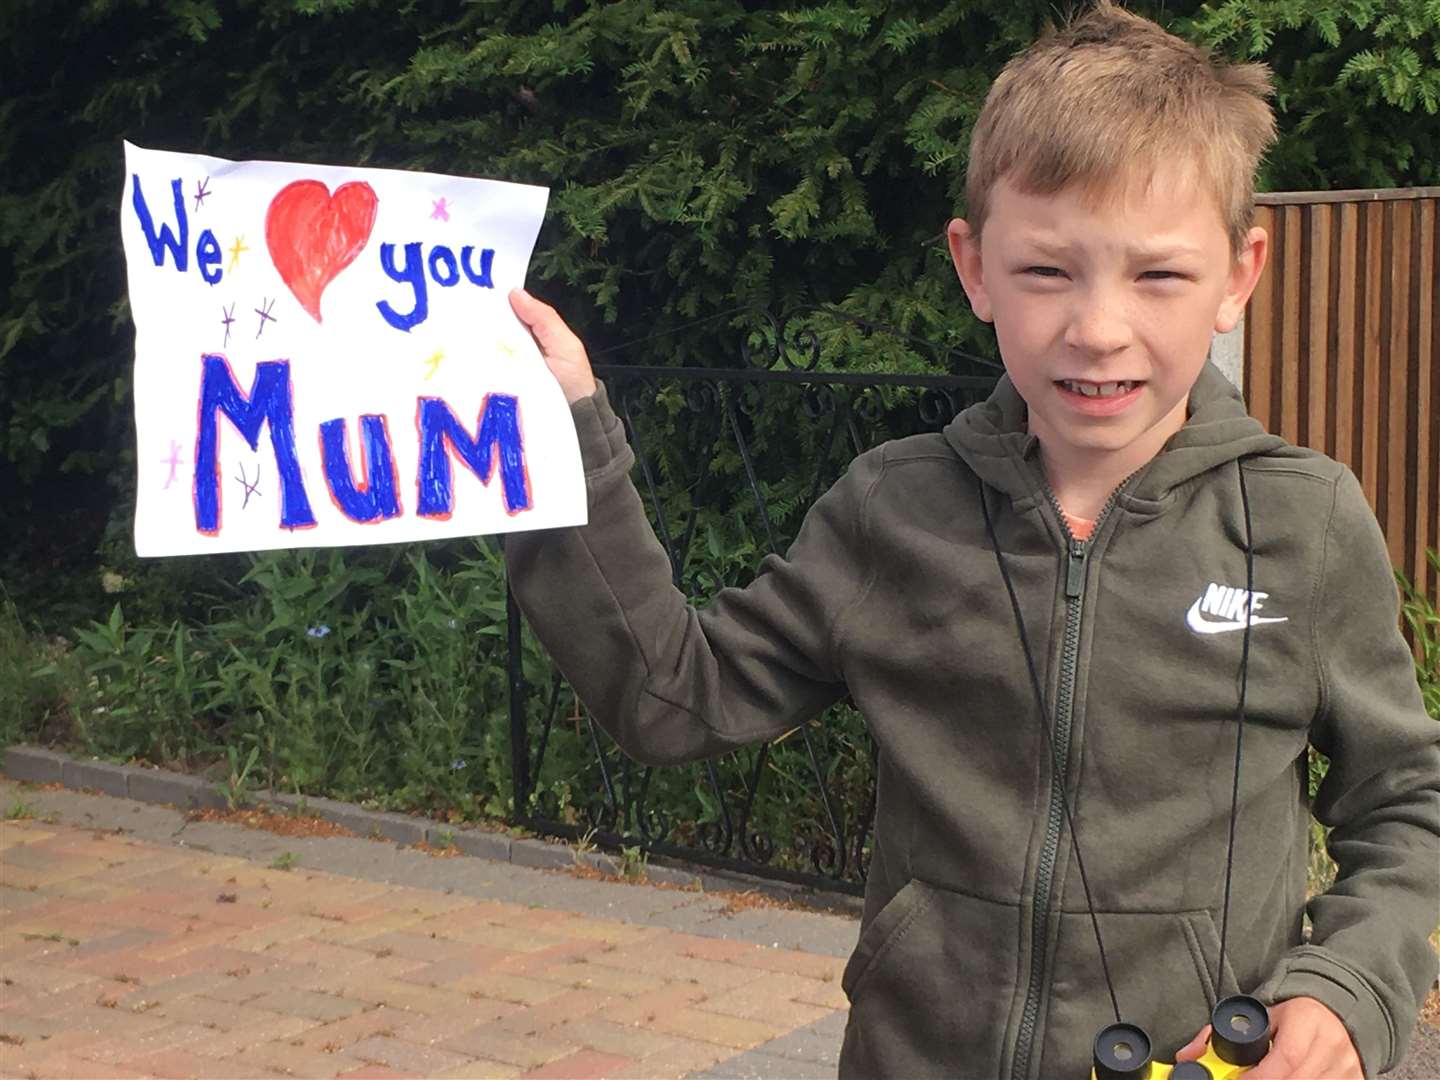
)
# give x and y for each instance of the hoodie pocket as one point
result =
(929, 985)
(884, 931)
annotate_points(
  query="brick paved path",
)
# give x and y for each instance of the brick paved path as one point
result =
(136, 942)
(126, 958)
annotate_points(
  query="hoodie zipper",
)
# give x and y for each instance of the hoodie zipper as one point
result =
(1076, 560)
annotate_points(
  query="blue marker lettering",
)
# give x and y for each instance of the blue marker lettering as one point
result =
(268, 401)
(498, 436)
(165, 238)
(413, 275)
(374, 499)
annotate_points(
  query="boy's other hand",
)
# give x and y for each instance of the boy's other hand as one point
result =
(563, 352)
(1308, 1042)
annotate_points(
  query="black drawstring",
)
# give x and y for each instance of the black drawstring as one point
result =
(1239, 717)
(1058, 765)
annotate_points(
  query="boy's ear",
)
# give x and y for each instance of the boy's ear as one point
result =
(965, 254)
(1244, 275)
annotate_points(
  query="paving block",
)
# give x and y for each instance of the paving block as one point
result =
(615, 981)
(296, 1061)
(758, 1065)
(581, 1065)
(701, 1026)
(499, 986)
(100, 775)
(818, 1042)
(496, 1044)
(141, 1043)
(790, 962)
(338, 1034)
(624, 1040)
(567, 1008)
(481, 1070)
(680, 1058)
(642, 1009)
(467, 1014)
(183, 1064)
(405, 1056)
(33, 764)
(306, 1003)
(756, 1003)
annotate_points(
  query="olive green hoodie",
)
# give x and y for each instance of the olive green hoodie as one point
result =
(976, 954)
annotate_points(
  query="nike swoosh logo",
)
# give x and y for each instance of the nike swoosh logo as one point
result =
(1201, 625)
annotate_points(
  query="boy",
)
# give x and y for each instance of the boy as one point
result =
(1175, 570)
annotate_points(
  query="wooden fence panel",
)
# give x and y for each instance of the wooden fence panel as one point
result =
(1342, 341)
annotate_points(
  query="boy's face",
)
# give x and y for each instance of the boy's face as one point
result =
(1104, 313)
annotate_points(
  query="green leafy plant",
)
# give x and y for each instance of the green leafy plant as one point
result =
(633, 860)
(36, 678)
(236, 787)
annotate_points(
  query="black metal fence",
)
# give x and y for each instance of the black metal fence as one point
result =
(728, 460)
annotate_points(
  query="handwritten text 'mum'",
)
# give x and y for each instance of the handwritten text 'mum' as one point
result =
(374, 495)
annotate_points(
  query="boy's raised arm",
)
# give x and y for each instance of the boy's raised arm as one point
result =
(1369, 959)
(671, 683)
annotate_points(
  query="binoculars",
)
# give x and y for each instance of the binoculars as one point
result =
(1239, 1038)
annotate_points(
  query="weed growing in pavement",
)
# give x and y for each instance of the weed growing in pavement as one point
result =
(633, 861)
(236, 788)
(286, 860)
(19, 810)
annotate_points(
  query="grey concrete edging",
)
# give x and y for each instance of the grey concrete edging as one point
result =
(37, 765)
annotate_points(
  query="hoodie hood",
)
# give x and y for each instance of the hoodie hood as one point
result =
(992, 439)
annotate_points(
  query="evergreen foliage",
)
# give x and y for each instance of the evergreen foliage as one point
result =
(705, 157)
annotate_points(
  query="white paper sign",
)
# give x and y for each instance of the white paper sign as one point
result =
(327, 356)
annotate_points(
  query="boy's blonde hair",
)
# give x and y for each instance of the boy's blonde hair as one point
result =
(1103, 101)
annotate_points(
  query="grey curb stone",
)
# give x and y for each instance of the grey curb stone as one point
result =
(159, 786)
(343, 814)
(34, 765)
(401, 828)
(484, 845)
(601, 861)
(539, 854)
(671, 875)
(97, 775)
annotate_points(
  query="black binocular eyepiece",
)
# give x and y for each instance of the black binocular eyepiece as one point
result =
(1240, 1037)
(1240, 1030)
(1122, 1052)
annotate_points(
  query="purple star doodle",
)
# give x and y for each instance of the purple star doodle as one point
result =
(265, 315)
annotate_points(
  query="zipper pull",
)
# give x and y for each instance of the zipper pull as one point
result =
(1075, 574)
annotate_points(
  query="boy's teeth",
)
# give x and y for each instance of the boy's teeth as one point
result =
(1090, 389)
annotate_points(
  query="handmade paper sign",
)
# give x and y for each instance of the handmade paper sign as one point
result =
(327, 356)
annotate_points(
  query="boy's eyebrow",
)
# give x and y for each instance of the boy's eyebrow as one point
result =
(1137, 252)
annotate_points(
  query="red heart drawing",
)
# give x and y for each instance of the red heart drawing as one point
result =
(313, 235)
